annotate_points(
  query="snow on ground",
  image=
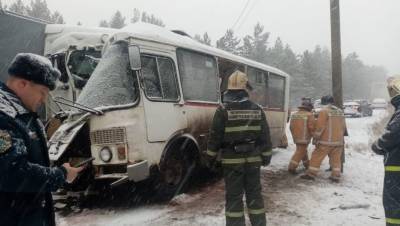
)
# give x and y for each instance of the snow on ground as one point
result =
(289, 200)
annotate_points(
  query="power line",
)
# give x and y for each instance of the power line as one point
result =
(241, 14)
(247, 14)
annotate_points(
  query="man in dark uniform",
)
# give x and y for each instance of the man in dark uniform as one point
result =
(388, 145)
(26, 179)
(241, 131)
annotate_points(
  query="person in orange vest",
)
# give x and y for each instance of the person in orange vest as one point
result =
(302, 128)
(329, 140)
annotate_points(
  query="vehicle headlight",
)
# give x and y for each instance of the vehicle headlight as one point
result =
(105, 154)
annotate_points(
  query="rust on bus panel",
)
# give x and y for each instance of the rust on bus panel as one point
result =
(199, 122)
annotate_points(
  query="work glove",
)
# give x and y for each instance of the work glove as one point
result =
(210, 161)
(266, 160)
(375, 148)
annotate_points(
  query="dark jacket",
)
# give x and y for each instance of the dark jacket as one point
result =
(389, 146)
(236, 123)
(26, 179)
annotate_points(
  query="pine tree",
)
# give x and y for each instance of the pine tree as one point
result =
(229, 42)
(255, 47)
(117, 21)
(103, 23)
(57, 18)
(39, 9)
(205, 39)
(151, 19)
(136, 16)
(18, 7)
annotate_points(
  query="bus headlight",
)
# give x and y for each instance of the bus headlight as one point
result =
(105, 154)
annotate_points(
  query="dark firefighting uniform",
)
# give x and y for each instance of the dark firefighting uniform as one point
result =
(241, 131)
(388, 145)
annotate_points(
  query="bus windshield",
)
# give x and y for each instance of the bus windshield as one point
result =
(112, 82)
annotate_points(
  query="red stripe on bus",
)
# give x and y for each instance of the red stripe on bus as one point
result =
(197, 104)
(274, 109)
(201, 104)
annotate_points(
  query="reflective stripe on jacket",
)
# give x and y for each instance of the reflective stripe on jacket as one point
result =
(330, 127)
(302, 126)
(237, 123)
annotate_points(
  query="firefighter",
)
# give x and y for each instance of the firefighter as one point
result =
(240, 131)
(388, 145)
(302, 128)
(329, 140)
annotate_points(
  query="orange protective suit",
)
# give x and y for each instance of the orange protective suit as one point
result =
(302, 127)
(329, 139)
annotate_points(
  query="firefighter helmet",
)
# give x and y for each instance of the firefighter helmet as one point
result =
(306, 104)
(238, 80)
(394, 86)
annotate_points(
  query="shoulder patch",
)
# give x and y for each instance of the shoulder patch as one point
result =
(5, 141)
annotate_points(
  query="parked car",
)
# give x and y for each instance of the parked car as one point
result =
(352, 109)
(379, 103)
(365, 108)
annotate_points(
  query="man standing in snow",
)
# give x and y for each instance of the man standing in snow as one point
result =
(26, 179)
(302, 128)
(388, 145)
(241, 131)
(329, 140)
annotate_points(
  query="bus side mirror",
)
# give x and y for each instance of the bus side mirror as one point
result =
(134, 57)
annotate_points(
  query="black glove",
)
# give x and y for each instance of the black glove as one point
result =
(375, 148)
(266, 160)
(210, 161)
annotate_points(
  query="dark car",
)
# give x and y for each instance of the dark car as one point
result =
(365, 108)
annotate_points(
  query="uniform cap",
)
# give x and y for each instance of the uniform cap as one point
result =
(35, 68)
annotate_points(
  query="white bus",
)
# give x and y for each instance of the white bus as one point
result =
(148, 106)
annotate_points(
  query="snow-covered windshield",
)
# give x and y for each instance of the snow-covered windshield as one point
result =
(112, 82)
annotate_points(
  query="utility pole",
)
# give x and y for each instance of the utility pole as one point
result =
(337, 90)
(336, 54)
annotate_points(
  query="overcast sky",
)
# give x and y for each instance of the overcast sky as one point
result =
(369, 27)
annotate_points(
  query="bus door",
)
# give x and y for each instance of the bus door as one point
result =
(162, 103)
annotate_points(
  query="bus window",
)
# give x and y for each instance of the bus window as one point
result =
(259, 81)
(81, 64)
(276, 91)
(226, 68)
(198, 74)
(159, 78)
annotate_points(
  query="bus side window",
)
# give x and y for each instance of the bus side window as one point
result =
(259, 81)
(159, 78)
(276, 91)
(198, 74)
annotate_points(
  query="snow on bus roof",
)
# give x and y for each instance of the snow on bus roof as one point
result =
(158, 34)
(142, 31)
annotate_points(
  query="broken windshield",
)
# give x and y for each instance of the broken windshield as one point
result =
(112, 82)
(82, 64)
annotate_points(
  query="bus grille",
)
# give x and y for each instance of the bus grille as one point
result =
(109, 136)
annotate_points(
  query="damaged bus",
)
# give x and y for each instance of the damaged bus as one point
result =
(74, 50)
(146, 110)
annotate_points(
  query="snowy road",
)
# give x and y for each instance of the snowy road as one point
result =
(289, 200)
